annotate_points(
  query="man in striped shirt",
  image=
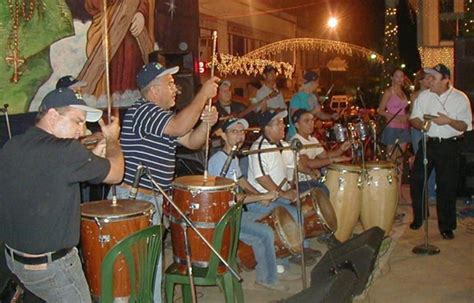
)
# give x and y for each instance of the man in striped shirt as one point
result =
(151, 132)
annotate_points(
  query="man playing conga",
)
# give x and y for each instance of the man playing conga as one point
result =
(40, 195)
(312, 159)
(257, 235)
(151, 132)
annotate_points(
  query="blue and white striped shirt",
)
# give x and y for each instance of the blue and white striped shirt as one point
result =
(143, 141)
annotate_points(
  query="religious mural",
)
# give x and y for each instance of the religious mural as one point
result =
(43, 40)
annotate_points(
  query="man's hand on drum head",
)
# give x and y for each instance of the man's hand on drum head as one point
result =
(345, 146)
(290, 195)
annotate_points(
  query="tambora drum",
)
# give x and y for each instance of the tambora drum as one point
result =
(379, 195)
(204, 202)
(285, 230)
(103, 224)
(345, 192)
(318, 213)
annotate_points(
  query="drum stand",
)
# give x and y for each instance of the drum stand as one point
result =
(7, 121)
(425, 248)
(187, 223)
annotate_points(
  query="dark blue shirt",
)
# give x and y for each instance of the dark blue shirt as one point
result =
(143, 141)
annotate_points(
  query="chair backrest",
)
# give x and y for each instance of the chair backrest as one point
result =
(231, 220)
(140, 251)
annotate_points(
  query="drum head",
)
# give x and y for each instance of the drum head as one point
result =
(380, 165)
(197, 182)
(287, 228)
(123, 208)
(341, 167)
(324, 209)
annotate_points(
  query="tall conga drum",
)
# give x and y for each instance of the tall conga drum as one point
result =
(345, 193)
(379, 195)
(204, 202)
(103, 224)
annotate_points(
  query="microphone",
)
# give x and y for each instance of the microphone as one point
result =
(136, 180)
(296, 144)
(227, 162)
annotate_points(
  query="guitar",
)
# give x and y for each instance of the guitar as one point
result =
(244, 113)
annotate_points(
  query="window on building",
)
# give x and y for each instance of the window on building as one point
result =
(446, 6)
(238, 45)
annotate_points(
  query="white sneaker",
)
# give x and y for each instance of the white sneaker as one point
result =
(278, 285)
(288, 276)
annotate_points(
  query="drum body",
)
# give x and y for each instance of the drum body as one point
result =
(379, 196)
(318, 213)
(362, 130)
(285, 230)
(103, 224)
(337, 133)
(204, 203)
(344, 184)
(246, 257)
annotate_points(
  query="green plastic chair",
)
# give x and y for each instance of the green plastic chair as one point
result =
(141, 251)
(209, 276)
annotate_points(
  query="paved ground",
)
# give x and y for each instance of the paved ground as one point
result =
(399, 275)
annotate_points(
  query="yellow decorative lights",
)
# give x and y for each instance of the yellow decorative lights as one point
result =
(313, 44)
(228, 64)
(430, 56)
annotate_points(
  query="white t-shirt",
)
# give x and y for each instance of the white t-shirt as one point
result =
(310, 152)
(452, 102)
(278, 165)
(272, 103)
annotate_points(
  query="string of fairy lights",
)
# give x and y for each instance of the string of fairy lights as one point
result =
(390, 51)
(468, 24)
(228, 64)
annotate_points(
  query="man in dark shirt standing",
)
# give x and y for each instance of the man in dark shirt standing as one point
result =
(40, 195)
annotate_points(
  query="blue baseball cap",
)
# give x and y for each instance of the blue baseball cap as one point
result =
(233, 122)
(267, 116)
(151, 71)
(62, 97)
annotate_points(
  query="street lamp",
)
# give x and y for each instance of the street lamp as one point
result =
(332, 22)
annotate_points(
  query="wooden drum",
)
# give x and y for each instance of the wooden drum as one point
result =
(285, 230)
(204, 203)
(344, 184)
(318, 213)
(379, 195)
(103, 224)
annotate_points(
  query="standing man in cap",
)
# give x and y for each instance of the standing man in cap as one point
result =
(40, 195)
(449, 116)
(306, 99)
(72, 83)
(151, 132)
(268, 95)
(259, 236)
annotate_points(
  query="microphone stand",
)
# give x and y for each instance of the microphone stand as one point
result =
(189, 223)
(296, 148)
(7, 120)
(425, 248)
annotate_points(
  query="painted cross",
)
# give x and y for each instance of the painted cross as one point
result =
(16, 61)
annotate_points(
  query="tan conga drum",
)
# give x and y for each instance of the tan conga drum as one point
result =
(318, 213)
(204, 202)
(379, 195)
(345, 193)
(103, 224)
(285, 231)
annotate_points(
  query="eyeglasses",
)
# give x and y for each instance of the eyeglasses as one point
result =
(236, 131)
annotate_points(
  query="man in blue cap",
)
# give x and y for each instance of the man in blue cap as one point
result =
(151, 132)
(40, 195)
